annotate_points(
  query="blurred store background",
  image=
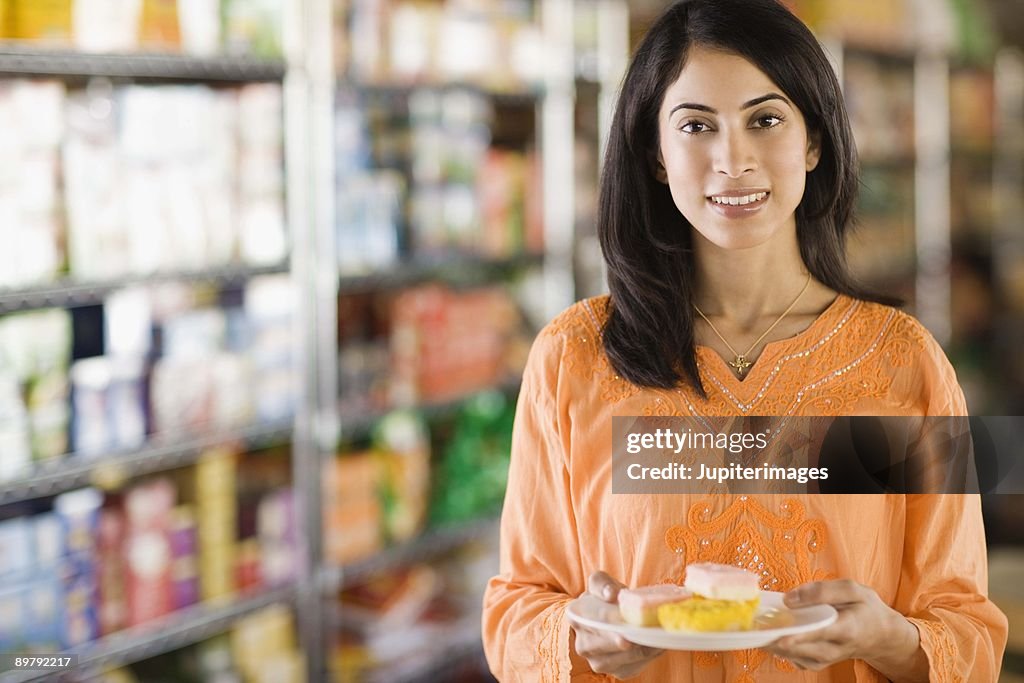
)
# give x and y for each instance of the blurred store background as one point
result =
(270, 270)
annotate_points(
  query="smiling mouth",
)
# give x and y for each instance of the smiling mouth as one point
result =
(738, 200)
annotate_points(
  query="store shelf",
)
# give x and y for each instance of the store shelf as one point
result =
(28, 59)
(184, 627)
(897, 163)
(358, 425)
(430, 544)
(68, 293)
(449, 268)
(528, 97)
(459, 646)
(58, 476)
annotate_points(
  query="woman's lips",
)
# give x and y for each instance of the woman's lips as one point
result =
(755, 202)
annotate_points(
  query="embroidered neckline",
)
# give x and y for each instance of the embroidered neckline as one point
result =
(707, 357)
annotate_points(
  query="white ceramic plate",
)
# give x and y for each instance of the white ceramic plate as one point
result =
(772, 620)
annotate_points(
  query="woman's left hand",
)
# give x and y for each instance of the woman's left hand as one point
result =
(866, 629)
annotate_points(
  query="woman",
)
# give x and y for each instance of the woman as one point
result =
(727, 191)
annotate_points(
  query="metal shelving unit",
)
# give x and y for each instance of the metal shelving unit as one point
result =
(180, 629)
(413, 271)
(69, 293)
(165, 452)
(356, 425)
(430, 544)
(523, 98)
(159, 455)
(27, 59)
(460, 645)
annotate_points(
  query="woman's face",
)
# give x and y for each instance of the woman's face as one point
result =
(734, 150)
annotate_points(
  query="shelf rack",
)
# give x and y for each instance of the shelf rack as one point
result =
(503, 98)
(27, 59)
(165, 452)
(179, 629)
(416, 270)
(159, 455)
(430, 544)
(68, 293)
(459, 645)
(358, 424)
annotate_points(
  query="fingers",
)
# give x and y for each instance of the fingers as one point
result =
(841, 592)
(611, 654)
(821, 651)
(604, 586)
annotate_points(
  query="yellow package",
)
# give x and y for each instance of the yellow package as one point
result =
(42, 20)
(159, 27)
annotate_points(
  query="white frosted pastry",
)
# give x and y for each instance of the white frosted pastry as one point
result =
(639, 606)
(721, 582)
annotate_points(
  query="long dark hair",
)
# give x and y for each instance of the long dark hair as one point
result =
(646, 241)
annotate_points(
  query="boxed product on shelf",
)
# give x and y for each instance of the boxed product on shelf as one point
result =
(403, 623)
(200, 26)
(216, 518)
(264, 647)
(509, 193)
(262, 235)
(353, 516)
(402, 444)
(880, 101)
(369, 218)
(447, 344)
(253, 27)
(31, 129)
(473, 471)
(445, 211)
(391, 600)
(494, 45)
(15, 549)
(162, 178)
(108, 403)
(159, 28)
(79, 512)
(106, 25)
(34, 356)
(112, 583)
(278, 540)
(40, 20)
(269, 305)
(14, 428)
(147, 550)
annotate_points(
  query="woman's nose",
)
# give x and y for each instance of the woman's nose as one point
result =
(734, 156)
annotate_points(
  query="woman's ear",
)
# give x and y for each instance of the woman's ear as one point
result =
(658, 167)
(813, 150)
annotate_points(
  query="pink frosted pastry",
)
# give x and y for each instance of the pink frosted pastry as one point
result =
(721, 582)
(639, 606)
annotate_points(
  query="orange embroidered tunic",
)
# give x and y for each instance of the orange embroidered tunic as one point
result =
(923, 554)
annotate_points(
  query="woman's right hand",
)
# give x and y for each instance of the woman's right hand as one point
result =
(610, 653)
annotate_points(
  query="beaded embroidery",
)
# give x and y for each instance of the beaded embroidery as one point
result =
(816, 380)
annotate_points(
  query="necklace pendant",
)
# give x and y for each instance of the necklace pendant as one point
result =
(740, 364)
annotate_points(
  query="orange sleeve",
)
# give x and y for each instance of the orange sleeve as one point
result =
(525, 631)
(944, 578)
(943, 589)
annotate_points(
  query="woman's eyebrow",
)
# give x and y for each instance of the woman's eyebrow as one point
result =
(746, 105)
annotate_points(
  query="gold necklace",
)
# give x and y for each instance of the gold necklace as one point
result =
(740, 362)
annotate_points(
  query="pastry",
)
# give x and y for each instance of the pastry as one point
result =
(639, 606)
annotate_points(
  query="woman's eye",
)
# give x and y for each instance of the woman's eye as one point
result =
(768, 121)
(695, 127)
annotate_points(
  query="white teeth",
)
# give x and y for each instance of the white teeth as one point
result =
(739, 201)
